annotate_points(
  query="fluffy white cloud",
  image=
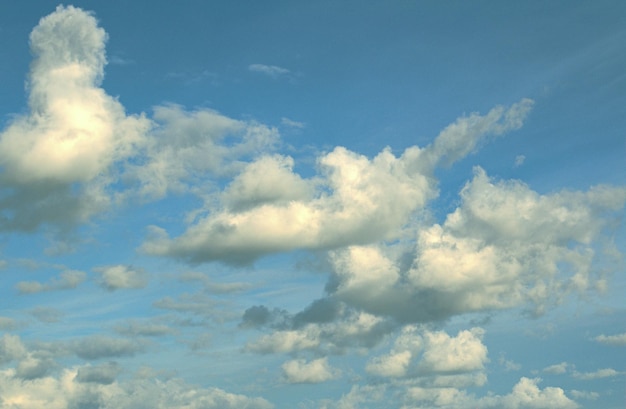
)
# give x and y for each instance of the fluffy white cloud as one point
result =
(504, 246)
(349, 329)
(119, 277)
(85, 387)
(525, 395)
(57, 159)
(315, 371)
(419, 353)
(358, 200)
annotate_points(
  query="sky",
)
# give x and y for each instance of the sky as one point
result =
(312, 205)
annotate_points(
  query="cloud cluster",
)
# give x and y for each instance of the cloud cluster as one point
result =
(504, 246)
(90, 387)
(354, 200)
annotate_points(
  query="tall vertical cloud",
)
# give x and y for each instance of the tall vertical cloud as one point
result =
(55, 160)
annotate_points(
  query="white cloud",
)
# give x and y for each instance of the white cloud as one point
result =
(286, 341)
(599, 374)
(121, 277)
(584, 394)
(74, 132)
(188, 146)
(273, 71)
(504, 246)
(419, 353)
(557, 368)
(291, 123)
(74, 388)
(525, 395)
(348, 329)
(357, 201)
(617, 339)
(315, 371)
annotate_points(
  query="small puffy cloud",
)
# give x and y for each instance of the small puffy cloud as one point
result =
(102, 374)
(557, 369)
(617, 339)
(419, 353)
(67, 280)
(519, 160)
(315, 371)
(121, 277)
(354, 200)
(269, 70)
(286, 341)
(599, 374)
(527, 394)
(349, 329)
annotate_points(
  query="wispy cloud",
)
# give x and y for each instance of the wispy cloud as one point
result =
(273, 71)
(617, 339)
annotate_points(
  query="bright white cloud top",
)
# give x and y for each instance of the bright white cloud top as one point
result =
(175, 236)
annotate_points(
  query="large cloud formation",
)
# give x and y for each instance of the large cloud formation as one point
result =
(354, 200)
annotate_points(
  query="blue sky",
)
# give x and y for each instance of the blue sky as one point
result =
(312, 205)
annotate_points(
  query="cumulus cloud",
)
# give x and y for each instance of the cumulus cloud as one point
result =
(121, 277)
(526, 394)
(354, 200)
(88, 387)
(617, 339)
(56, 160)
(504, 246)
(350, 329)
(315, 371)
(419, 353)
